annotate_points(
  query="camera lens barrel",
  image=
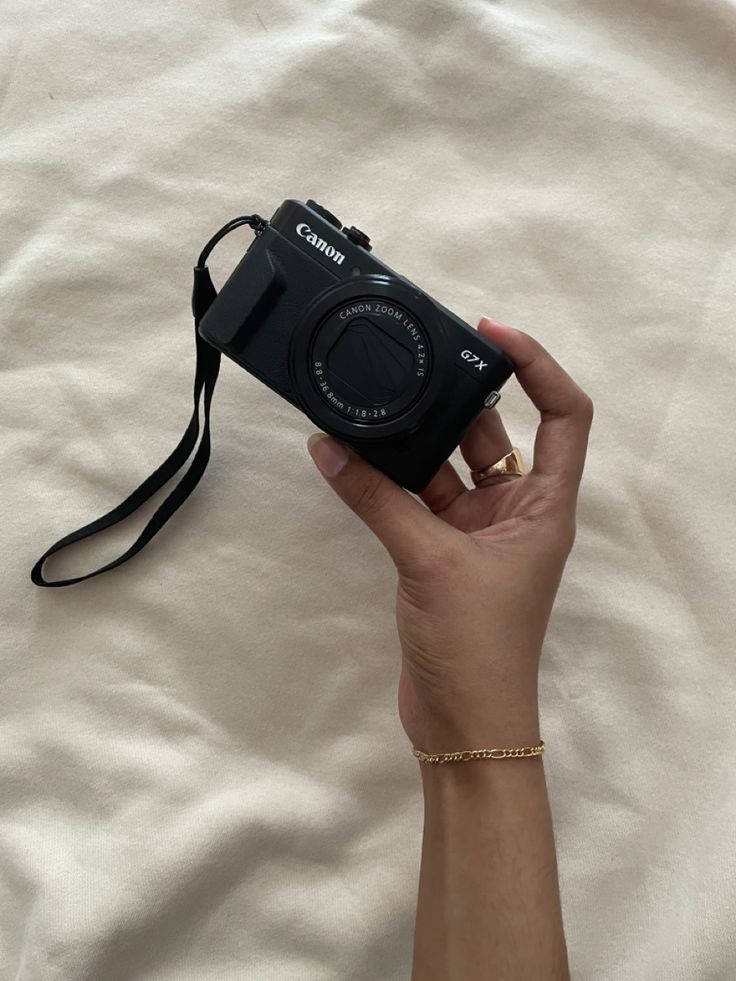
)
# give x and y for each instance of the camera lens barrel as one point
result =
(362, 356)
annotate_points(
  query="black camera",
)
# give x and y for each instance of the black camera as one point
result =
(362, 351)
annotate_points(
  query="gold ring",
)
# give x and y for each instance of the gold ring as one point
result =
(510, 465)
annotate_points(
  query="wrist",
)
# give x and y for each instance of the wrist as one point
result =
(496, 784)
(490, 726)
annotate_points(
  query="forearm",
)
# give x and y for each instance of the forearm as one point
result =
(478, 575)
(488, 907)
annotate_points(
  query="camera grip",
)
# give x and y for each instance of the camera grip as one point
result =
(245, 300)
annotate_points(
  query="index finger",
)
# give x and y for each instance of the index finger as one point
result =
(566, 411)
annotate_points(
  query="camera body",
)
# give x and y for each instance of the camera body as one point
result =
(368, 356)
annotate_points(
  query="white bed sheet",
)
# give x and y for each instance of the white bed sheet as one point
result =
(202, 775)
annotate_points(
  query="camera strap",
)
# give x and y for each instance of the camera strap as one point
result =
(205, 378)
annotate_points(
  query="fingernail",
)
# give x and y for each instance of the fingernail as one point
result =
(329, 455)
(495, 323)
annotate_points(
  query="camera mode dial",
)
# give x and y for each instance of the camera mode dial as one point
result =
(324, 213)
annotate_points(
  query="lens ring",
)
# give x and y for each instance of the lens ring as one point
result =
(304, 392)
(369, 359)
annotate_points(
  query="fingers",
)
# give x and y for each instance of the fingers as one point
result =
(566, 411)
(443, 488)
(486, 441)
(404, 526)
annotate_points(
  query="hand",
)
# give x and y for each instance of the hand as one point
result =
(478, 569)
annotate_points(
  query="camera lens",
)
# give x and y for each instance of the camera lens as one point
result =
(369, 359)
(370, 362)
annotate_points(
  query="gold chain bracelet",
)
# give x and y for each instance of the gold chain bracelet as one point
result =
(464, 755)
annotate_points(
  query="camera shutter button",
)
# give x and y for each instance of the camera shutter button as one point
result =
(359, 238)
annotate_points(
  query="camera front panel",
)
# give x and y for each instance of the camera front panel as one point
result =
(364, 353)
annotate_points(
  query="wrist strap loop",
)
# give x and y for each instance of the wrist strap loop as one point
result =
(205, 378)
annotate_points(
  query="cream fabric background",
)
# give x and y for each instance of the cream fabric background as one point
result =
(202, 774)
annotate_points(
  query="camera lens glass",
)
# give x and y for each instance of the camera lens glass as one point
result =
(370, 359)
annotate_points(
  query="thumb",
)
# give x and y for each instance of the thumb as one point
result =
(404, 526)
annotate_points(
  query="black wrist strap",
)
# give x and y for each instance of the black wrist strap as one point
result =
(205, 378)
